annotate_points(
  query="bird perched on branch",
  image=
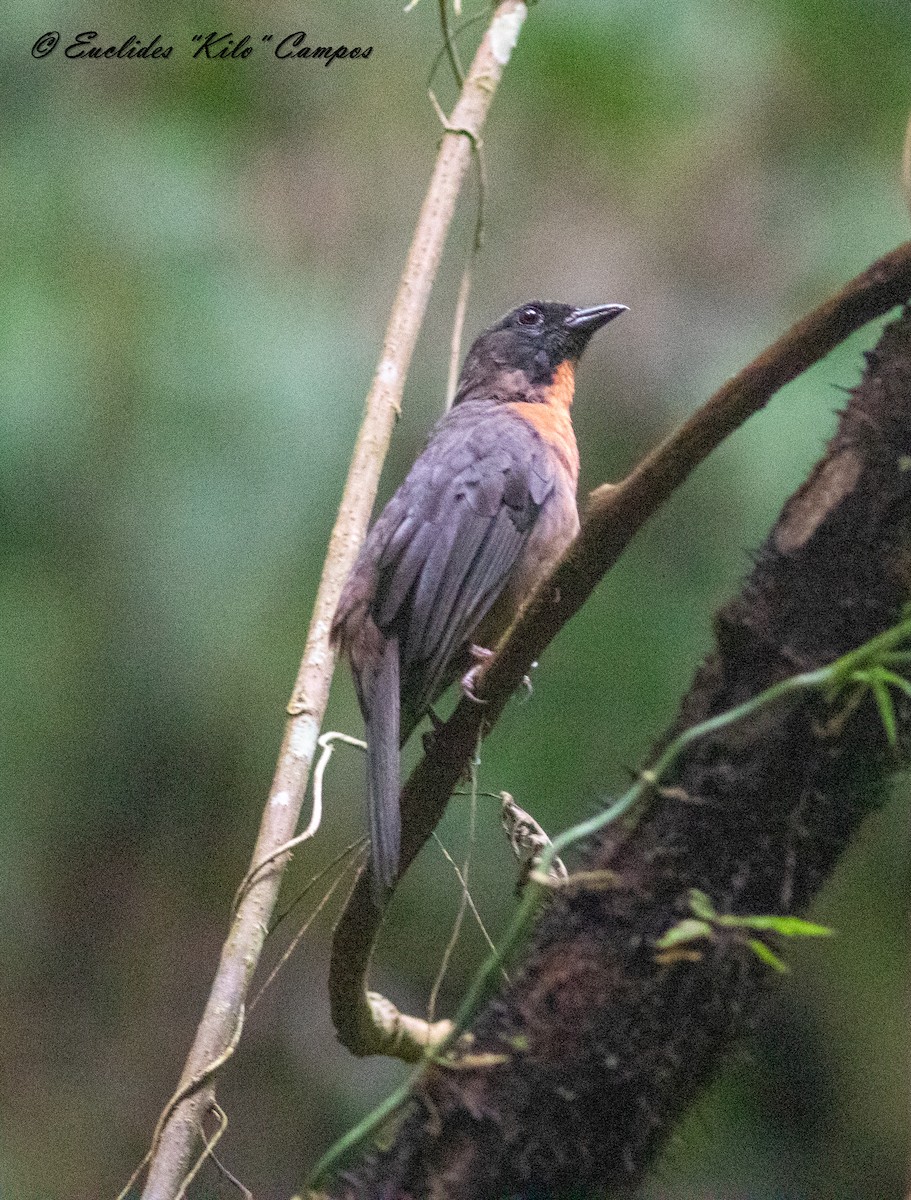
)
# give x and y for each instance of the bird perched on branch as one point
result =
(484, 514)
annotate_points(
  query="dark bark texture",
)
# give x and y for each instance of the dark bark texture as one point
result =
(601, 1042)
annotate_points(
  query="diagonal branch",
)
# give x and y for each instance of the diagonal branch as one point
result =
(614, 515)
(179, 1136)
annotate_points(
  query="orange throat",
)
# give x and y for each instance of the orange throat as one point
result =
(550, 416)
(560, 391)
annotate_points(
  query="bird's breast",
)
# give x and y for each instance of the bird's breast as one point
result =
(556, 526)
(553, 424)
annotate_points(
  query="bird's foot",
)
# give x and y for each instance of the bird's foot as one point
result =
(480, 655)
(526, 683)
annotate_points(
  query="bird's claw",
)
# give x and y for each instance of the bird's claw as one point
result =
(526, 685)
(480, 655)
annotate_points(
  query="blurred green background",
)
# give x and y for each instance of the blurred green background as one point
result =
(198, 262)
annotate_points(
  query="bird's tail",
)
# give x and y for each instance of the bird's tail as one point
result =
(383, 770)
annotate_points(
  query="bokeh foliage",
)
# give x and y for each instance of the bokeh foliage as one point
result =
(199, 258)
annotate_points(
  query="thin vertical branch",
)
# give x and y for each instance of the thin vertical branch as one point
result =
(179, 1136)
(450, 45)
(464, 898)
(458, 324)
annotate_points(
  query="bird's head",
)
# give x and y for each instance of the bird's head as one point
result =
(531, 349)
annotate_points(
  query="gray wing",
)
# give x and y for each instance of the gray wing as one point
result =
(450, 537)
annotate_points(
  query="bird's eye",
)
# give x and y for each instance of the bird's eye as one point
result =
(530, 316)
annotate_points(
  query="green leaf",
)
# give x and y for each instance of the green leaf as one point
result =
(894, 680)
(795, 927)
(701, 905)
(688, 930)
(786, 926)
(886, 710)
(518, 1042)
(762, 951)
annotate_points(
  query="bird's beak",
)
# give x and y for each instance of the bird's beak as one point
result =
(593, 318)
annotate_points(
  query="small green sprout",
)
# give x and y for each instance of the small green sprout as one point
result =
(706, 923)
(869, 670)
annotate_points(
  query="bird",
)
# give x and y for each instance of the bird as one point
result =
(484, 514)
